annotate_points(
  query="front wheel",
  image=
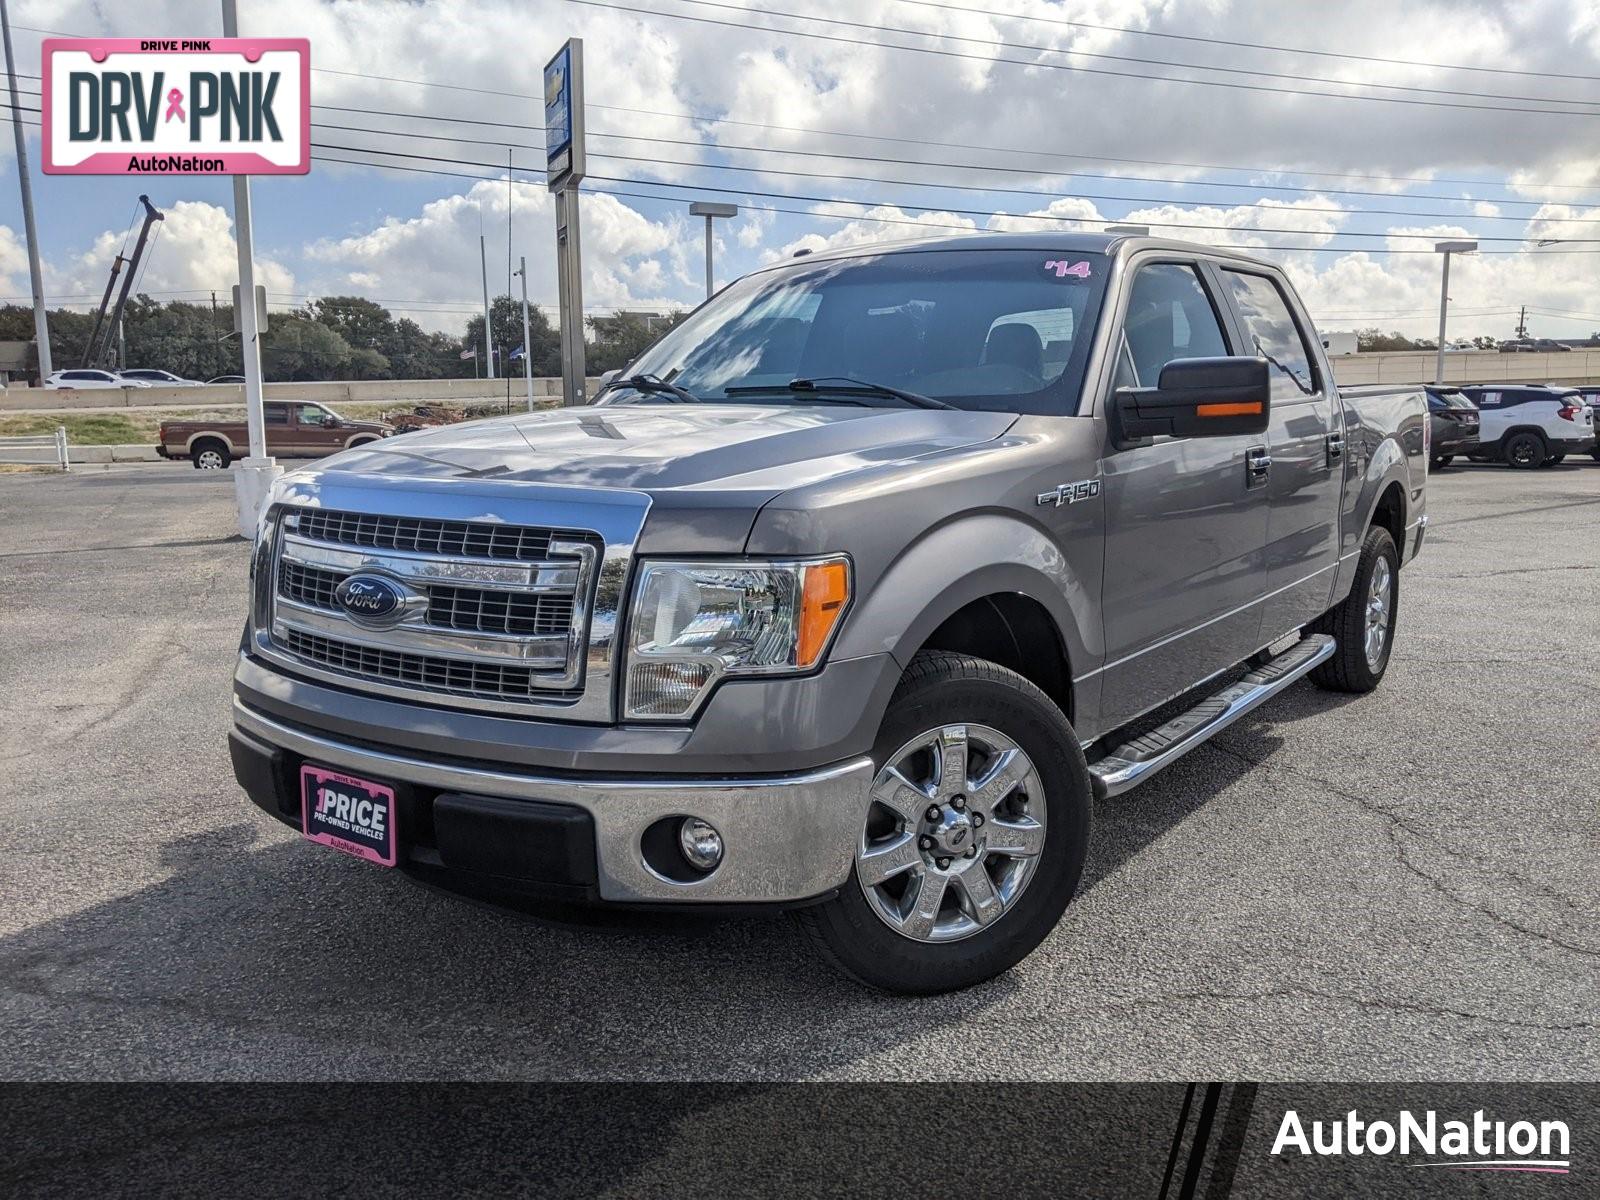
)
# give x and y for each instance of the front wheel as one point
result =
(972, 839)
(1363, 622)
(1442, 461)
(1525, 451)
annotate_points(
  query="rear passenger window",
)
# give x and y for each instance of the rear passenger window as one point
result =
(1170, 316)
(276, 414)
(1274, 334)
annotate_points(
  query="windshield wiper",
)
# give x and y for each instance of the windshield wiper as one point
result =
(651, 385)
(853, 386)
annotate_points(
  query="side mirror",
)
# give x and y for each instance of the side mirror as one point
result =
(608, 376)
(331, 422)
(1198, 397)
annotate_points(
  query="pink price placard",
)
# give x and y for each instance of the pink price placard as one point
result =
(177, 106)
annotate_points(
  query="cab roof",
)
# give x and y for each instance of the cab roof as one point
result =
(1050, 241)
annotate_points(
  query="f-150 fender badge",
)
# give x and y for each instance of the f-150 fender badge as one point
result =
(1071, 493)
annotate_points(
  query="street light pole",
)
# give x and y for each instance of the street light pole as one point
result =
(710, 211)
(41, 325)
(1446, 249)
(527, 348)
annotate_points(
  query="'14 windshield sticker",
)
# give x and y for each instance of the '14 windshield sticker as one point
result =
(1065, 269)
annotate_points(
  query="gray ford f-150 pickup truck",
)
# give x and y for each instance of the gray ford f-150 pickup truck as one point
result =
(852, 595)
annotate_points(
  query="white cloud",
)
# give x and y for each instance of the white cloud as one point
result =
(13, 263)
(191, 250)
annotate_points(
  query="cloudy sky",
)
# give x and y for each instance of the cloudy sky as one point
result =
(1028, 113)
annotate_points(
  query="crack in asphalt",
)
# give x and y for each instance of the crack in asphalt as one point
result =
(1393, 822)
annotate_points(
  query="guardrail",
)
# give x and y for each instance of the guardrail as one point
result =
(28, 450)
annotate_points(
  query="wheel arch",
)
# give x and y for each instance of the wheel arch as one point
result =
(986, 581)
(209, 435)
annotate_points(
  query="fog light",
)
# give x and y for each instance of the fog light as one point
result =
(700, 843)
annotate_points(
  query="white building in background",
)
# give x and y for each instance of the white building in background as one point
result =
(1339, 342)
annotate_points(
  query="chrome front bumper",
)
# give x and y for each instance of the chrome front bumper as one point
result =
(787, 838)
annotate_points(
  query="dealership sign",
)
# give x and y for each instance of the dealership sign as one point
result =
(151, 106)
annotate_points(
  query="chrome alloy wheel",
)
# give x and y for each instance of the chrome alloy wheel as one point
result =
(953, 834)
(1380, 601)
(209, 460)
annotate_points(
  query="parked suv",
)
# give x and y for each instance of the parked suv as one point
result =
(854, 594)
(293, 430)
(85, 379)
(157, 378)
(1530, 425)
(1454, 426)
(1591, 396)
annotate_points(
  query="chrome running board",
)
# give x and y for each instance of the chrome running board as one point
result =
(1133, 762)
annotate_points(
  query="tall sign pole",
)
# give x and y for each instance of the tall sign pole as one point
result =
(41, 326)
(488, 335)
(567, 164)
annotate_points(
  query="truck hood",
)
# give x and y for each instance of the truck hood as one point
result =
(740, 451)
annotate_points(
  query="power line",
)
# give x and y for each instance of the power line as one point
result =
(982, 188)
(1017, 62)
(1154, 62)
(1052, 217)
(1190, 37)
(815, 215)
(708, 119)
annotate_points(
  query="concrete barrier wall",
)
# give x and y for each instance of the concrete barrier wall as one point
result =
(220, 395)
(1467, 366)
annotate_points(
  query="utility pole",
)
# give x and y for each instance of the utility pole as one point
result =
(508, 232)
(488, 338)
(527, 346)
(41, 324)
(710, 210)
(253, 481)
(216, 338)
(1522, 322)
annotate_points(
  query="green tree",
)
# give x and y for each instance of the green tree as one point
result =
(620, 339)
(506, 325)
(298, 347)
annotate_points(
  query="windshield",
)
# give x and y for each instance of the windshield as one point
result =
(999, 330)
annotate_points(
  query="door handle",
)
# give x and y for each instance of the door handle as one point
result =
(1335, 447)
(1257, 464)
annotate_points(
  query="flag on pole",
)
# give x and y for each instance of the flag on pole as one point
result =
(473, 353)
(516, 354)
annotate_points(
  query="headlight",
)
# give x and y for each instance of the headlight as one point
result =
(694, 623)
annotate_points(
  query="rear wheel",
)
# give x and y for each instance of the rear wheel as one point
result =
(1363, 622)
(973, 838)
(1524, 451)
(210, 456)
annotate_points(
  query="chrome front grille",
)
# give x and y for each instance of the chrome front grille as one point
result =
(417, 670)
(472, 610)
(422, 535)
(491, 615)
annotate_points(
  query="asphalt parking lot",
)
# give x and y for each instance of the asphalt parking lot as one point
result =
(1393, 887)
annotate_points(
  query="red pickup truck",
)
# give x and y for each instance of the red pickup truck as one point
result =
(294, 430)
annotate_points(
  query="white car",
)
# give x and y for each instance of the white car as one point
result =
(1530, 425)
(154, 378)
(84, 378)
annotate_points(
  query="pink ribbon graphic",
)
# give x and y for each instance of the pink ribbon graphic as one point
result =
(175, 105)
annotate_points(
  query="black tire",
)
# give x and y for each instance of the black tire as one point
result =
(1349, 669)
(1595, 454)
(210, 455)
(1524, 451)
(1442, 461)
(938, 689)
(1555, 460)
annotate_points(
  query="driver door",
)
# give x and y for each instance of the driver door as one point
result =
(1186, 517)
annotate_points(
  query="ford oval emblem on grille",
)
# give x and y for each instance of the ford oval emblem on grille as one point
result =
(371, 599)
